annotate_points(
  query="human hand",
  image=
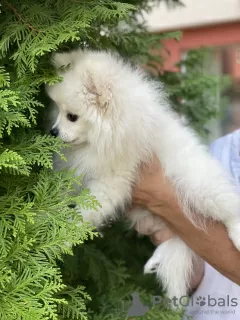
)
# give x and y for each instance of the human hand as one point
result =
(154, 191)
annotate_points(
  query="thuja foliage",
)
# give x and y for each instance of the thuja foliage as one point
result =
(40, 278)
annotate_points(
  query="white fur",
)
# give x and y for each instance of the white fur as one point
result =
(123, 119)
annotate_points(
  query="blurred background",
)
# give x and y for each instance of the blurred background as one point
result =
(214, 24)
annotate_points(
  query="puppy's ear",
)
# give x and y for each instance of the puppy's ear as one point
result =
(100, 90)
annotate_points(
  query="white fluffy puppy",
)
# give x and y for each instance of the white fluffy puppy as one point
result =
(115, 118)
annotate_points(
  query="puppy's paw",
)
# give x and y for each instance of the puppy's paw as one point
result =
(95, 218)
(153, 263)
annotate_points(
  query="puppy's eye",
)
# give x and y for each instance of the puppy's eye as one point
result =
(72, 117)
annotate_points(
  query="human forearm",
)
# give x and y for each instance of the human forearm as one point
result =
(212, 244)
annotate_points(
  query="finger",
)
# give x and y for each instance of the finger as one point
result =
(145, 225)
(161, 236)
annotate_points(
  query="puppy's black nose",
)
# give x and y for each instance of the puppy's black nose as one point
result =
(54, 132)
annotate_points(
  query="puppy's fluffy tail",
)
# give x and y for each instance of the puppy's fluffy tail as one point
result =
(173, 263)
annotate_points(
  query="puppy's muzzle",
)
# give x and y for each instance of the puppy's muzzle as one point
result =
(54, 132)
